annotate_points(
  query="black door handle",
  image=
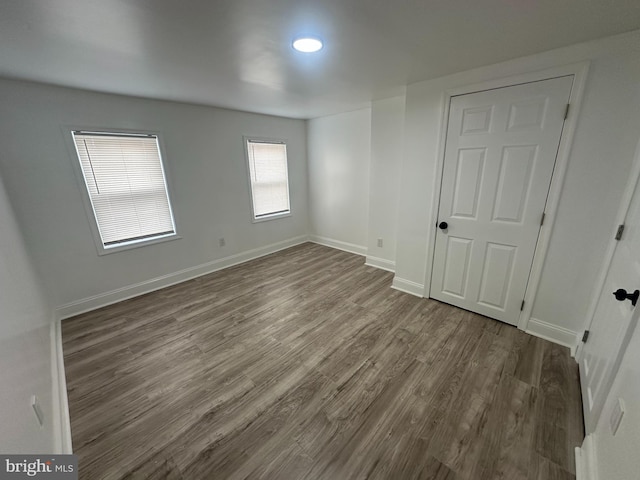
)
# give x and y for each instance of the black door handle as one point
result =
(622, 295)
(443, 225)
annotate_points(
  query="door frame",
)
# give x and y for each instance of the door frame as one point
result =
(579, 72)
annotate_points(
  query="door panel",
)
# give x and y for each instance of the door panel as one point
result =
(496, 278)
(468, 177)
(527, 114)
(514, 183)
(476, 120)
(457, 266)
(499, 157)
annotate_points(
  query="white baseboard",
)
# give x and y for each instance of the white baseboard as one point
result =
(340, 245)
(60, 401)
(586, 468)
(103, 299)
(553, 333)
(407, 286)
(381, 263)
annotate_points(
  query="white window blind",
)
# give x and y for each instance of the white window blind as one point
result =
(269, 178)
(126, 185)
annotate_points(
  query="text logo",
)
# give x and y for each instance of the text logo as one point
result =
(52, 467)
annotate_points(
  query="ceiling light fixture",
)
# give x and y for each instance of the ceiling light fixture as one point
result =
(307, 44)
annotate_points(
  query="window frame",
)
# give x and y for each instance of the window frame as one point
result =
(86, 197)
(273, 216)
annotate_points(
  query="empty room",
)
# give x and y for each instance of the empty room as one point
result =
(320, 240)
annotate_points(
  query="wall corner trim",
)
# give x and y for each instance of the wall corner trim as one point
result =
(340, 245)
(407, 286)
(103, 299)
(553, 333)
(60, 403)
(586, 468)
(381, 263)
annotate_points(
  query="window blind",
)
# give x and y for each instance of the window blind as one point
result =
(126, 185)
(269, 178)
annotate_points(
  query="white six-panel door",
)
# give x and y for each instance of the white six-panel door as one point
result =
(614, 320)
(499, 157)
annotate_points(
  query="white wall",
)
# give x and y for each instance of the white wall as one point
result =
(601, 156)
(206, 169)
(339, 157)
(387, 136)
(25, 348)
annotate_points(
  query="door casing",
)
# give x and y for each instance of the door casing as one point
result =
(579, 71)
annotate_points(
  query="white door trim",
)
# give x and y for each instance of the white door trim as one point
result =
(579, 71)
(586, 459)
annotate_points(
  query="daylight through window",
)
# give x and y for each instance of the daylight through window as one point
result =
(125, 180)
(269, 178)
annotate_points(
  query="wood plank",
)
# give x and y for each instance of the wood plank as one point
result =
(305, 364)
(559, 424)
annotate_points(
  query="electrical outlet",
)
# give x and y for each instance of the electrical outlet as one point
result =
(222, 242)
(380, 242)
(616, 416)
(35, 404)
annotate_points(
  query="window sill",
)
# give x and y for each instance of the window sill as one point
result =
(271, 217)
(142, 243)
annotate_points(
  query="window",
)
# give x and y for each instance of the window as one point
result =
(269, 178)
(125, 181)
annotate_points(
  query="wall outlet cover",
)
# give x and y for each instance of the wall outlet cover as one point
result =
(616, 416)
(35, 404)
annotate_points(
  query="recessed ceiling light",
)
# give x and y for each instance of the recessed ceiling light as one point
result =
(307, 44)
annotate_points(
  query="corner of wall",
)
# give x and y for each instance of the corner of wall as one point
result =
(407, 286)
(340, 245)
(553, 333)
(586, 467)
(381, 263)
(60, 403)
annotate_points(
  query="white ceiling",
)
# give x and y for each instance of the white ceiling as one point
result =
(237, 54)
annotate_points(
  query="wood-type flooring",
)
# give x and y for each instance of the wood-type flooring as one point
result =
(305, 364)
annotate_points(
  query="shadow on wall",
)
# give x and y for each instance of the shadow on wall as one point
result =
(25, 370)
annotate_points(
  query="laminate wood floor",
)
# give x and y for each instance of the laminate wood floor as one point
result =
(305, 364)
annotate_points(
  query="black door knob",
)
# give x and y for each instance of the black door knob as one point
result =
(443, 225)
(622, 295)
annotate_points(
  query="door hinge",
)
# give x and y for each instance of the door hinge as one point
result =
(542, 219)
(566, 111)
(522, 305)
(585, 336)
(619, 232)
